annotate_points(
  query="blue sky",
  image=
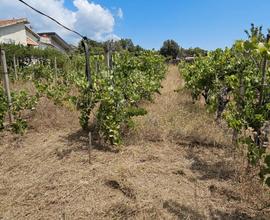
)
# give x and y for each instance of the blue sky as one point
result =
(208, 24)
(205, 23)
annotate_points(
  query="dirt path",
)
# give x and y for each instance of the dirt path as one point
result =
(174, 165)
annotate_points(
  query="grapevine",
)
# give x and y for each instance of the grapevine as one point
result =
(116, 91)
(235, 84)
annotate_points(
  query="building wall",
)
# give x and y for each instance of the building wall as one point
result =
(50, 42)
(13, 34)
(57, 45)
(45, 40)
(32, 37)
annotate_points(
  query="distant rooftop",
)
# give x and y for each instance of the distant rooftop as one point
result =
(56, 37)
(9, 22)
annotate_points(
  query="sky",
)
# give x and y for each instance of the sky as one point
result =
(208, 24)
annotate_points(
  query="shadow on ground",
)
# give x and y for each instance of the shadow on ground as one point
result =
(235, 215)
(220, 170)
(79, 141)
(181, 211)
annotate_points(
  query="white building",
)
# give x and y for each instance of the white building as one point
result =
(16, 31)
(52, 39)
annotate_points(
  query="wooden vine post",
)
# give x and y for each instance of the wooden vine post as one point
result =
(108, 55)
(15, 67)
(6, 83)
(90, 147)
(96, 66)
(55, 70)
(87, 61)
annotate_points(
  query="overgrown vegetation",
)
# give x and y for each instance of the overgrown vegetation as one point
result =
(116, 46)
(24, 55)
(172, 51)
(116, 90)
(235, 84)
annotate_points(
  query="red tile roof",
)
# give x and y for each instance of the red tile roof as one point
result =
(4, 23)
(31, 42)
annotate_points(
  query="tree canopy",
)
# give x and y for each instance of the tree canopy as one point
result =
(170, 49)
(193, 52)
(116, 45)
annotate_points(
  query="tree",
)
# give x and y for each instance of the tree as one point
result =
(193, 52)
(127, 44)
(95, 47)
(170, 49)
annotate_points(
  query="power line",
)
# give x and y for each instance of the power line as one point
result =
(84, 42)
(40, 12)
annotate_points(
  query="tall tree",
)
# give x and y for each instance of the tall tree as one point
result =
(127, 44)
(170, 48)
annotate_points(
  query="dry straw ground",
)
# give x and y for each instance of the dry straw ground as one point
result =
(175, 164)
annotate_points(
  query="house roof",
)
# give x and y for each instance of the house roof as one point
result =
(9, 22)
(31, 42)
(57, 38)
(32, 32)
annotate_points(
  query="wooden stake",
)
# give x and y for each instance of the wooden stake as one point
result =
(6, 83)
(90, 147)
(96, 66)
(18, 66)
(55, 70)
(235, 137)
(108, 55)
(64, 217)
(108, 59)
(15, 67)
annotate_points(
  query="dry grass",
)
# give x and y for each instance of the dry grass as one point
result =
(26, 85)
(176, 164)
(174, 117)
(48, 116)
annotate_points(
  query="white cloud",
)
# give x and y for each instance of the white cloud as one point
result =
(120, 13)
(90, 19)
(111, 37)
